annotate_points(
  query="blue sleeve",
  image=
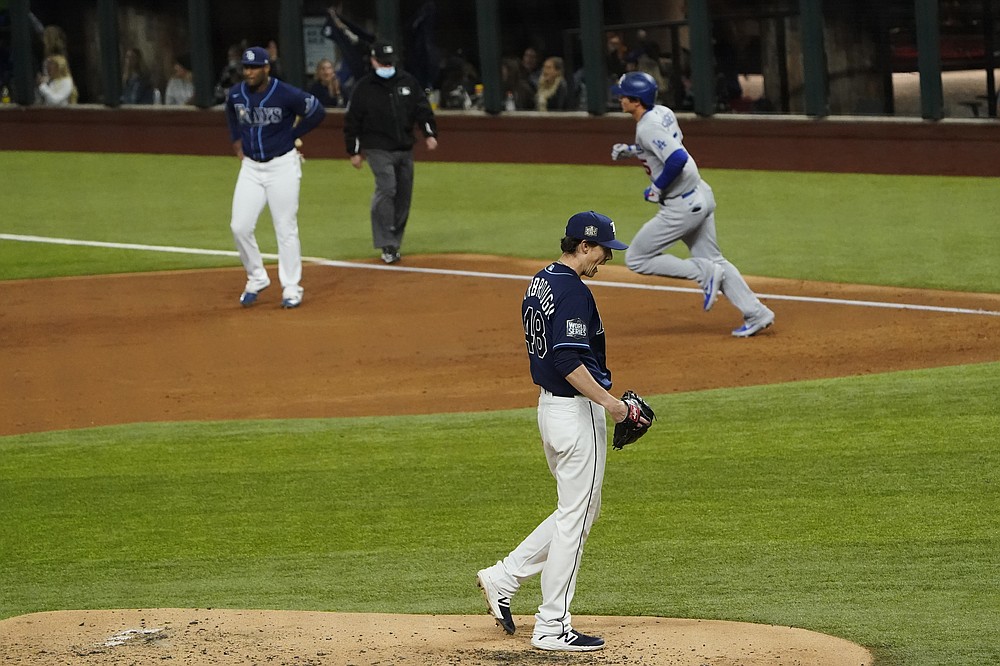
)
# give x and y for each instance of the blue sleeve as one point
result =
(312, 114)
(671, 168)
(234, 125)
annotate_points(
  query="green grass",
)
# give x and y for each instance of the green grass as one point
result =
(864, 508)
(914, 231)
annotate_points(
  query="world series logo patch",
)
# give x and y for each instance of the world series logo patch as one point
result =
(575, 328)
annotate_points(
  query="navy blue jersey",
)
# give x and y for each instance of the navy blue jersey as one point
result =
(264, 121)
(562, 329)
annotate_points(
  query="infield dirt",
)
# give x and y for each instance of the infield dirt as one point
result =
(90, 351)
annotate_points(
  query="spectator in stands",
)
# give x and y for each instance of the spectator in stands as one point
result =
(272, 54)
(553, 91)
(54, 41)
(728, 92)
(616, 52)
(56, 87)
(231, 74)
(529, 67)
(354, 45)
(578, 90)
(515, 87)
(425, 57)
(180, 86)
(137, 88)
(458, 82)
(326, 87)
(639, 60)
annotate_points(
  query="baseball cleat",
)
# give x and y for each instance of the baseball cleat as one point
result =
(714, 286)
(390, 254)
(248, 298)
(571, 641)
(496, 605)
(291, 302)
(752, 327)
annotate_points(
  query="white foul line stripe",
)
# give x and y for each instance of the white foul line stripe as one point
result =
(500, 276)
(124, 246)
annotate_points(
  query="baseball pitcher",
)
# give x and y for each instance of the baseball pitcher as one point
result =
(564, 336)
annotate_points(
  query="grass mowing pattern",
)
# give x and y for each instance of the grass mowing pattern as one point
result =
(862, 507)
(913, 231)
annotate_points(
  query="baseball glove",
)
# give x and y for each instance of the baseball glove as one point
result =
(637, 422)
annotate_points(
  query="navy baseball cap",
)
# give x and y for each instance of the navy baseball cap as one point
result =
(384, 53)
(594, 228)
(255, 56)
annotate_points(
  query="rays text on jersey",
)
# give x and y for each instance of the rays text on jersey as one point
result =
(266, 115)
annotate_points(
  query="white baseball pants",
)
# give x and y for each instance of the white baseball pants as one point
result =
(574, 438)
(276, 185)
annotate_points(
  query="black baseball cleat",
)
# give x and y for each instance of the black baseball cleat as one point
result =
(571, 641)
(497, 605)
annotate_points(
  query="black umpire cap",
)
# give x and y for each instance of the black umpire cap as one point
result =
(384, 53)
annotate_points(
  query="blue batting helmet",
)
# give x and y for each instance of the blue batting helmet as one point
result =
(637, 84)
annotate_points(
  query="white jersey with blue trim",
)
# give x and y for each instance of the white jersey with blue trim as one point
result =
(657, 136)
(265, 121)
(559, 313)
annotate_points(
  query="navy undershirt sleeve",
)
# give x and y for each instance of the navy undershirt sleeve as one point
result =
(566, 360)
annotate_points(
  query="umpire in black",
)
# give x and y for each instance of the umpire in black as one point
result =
(378, 125)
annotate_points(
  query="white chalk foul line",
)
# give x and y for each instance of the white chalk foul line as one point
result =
(476, 274)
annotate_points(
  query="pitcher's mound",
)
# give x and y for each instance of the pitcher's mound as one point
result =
(194, 637)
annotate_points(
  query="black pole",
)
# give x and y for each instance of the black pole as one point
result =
(781, 40)
(702, 56)
(591, 42)
(814, 58)
(929, 60)
(201, 53)
(487, 24)
(991, 61)
(23, 92)
(293, 54)
(111, 68)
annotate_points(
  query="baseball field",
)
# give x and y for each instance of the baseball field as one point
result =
(181, 478)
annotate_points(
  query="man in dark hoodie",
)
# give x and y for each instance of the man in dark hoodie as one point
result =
(378, 126)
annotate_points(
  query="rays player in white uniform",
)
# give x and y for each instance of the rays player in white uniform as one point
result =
(266, 116)
(564, 336)
(686, 208)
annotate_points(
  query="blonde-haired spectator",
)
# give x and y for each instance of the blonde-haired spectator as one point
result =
(326, 87)
(54, 41)
(56, 87)
(553, 91)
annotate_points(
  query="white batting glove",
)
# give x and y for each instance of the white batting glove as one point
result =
(653, 194)
(623, 151)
